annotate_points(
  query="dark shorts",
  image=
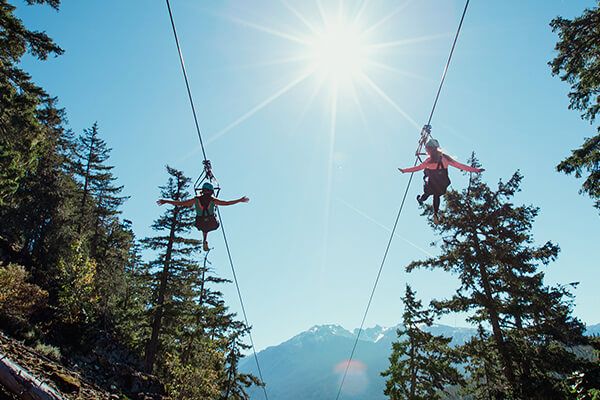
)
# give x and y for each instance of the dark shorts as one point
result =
(207, 223)
(436, 183)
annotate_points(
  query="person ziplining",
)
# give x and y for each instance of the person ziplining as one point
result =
(436, 179)
(205, 204)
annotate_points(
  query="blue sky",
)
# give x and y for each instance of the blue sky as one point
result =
(324, 186)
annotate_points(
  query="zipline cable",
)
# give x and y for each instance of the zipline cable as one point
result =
(437, 96)
(237, 286)
(241, 302)
(185, 77)
(424, 135)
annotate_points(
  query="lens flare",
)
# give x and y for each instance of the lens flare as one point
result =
(356, 381)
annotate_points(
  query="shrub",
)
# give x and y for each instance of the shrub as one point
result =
(18, 298)
(51, 352)
(77, 295)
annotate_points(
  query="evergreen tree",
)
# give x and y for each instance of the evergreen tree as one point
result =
(113, 252)
(108, 239)
(130, 316)
(235, 384)
(577, 63)
(170, 271)
(209, 321)
(421, 364)
(487, 243)
(484, 368)
(22, 135)
(194, 340)
(77, 296)
(100, 197)
(37, 227)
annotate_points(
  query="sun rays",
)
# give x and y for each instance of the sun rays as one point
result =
(339, 51)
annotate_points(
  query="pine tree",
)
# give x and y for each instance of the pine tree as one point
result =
(108, 238)
(208, 320)
(169, 272)
(100, 199)
(576, 63)
(130, 315)
(37, 227)
(22, 135)
(487, 243)
(113, 255)
(421, 364)
(484, 368)
(236, 383)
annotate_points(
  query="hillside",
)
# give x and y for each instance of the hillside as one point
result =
(309, 365)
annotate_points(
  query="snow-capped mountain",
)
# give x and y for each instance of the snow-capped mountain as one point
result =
(309, 365)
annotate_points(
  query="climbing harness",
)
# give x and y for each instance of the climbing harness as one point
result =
(425, 135)
(206, 217)
(207, 175)
(436, 181)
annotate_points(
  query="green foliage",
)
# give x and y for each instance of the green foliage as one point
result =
(130, 316)
(22, 135)
(197, 378)
(172, 272)
(194, 342)
(77, 296)
(421, 364)
(235, 383)
(486, 241)
(18, 298)
(60, 217)
(577, 64)
(100, 198)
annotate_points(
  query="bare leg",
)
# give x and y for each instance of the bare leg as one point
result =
(424, 197)
(205, 241)
(436, 208)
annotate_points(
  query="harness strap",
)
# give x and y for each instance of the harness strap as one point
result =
(204, 211)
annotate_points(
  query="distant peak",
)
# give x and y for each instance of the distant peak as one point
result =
(333, 329)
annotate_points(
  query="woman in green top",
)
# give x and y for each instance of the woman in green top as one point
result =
(205, 204)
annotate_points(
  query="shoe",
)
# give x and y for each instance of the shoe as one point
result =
(436, 219)
(419, 199)
(205, 246)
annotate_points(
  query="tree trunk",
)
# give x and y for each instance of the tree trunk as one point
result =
(185, 356)
(85, 187)
(496, 330)
(152, 346)
(413, 370)
(22, 384)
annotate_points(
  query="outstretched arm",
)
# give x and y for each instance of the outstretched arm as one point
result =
(219, 202)
(416, 168)
(185, 203)
(461, 166)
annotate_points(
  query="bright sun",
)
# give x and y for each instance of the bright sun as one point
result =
(338, 53)
(337, 48)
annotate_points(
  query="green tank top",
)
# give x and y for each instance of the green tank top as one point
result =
(204, 210)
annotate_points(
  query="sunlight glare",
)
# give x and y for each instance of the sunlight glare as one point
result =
(338, 52)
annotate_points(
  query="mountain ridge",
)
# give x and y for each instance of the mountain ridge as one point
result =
(309, 365)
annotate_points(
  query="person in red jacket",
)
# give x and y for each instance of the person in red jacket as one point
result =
(205, 204)
(436, 174)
